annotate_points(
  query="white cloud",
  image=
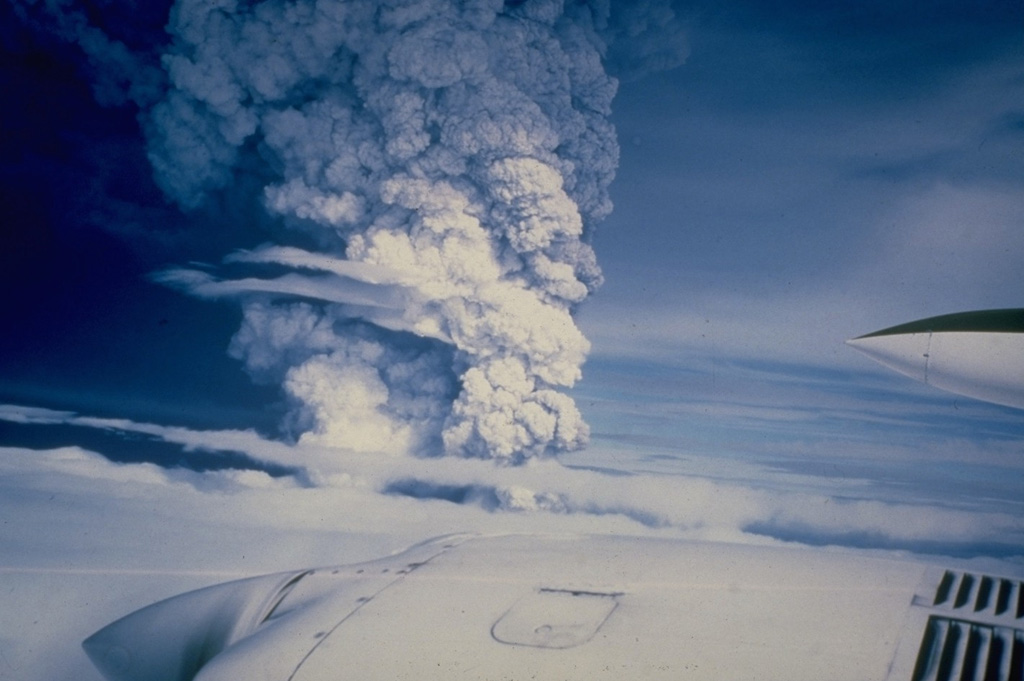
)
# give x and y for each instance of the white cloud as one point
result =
(692, 504)
(81, 528)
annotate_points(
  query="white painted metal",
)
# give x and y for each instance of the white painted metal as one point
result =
(525, 607)
(984, 365)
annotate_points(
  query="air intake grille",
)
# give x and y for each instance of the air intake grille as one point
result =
(972, 629)
(956, 650)
(966, 592)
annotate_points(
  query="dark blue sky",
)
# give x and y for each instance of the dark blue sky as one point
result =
(85, 226)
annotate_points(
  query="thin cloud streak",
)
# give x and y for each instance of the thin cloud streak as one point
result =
(691, 505)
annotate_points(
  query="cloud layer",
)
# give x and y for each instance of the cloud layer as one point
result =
(698, 497)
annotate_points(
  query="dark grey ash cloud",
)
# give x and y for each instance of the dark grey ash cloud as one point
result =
(464, 146)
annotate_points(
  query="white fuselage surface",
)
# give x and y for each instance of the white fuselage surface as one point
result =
(579, 608)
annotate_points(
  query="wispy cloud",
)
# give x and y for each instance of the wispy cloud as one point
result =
(747, 503)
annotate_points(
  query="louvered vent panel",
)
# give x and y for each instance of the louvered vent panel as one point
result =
(967, 592)
(956, 650)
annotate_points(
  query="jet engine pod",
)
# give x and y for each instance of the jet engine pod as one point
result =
(978, 354)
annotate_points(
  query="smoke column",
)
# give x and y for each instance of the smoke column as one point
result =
(437, 167)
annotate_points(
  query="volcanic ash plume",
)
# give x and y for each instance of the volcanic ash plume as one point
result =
(442, 164)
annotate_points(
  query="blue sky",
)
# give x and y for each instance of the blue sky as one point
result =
(811, 173)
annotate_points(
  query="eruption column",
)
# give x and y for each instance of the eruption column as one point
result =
(448, 160)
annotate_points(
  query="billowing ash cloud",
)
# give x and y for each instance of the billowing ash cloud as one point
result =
(442, 164)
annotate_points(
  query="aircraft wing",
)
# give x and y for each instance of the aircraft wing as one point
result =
(593, 607)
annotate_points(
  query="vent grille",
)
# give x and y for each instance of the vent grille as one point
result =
(957, 650)
(966, 592)
(972, 629)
